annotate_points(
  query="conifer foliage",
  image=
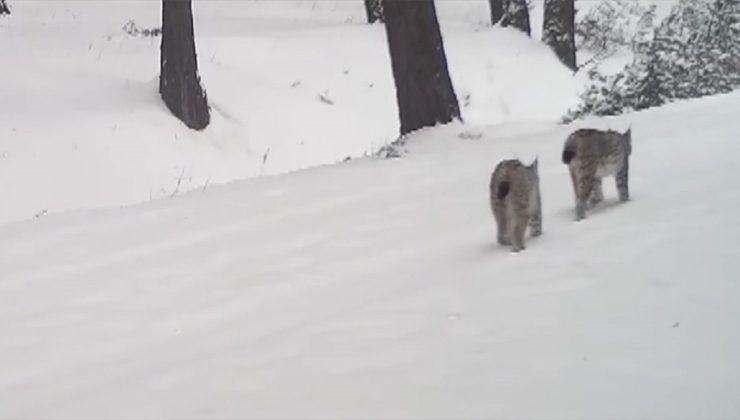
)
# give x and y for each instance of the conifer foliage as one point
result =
(694, 52)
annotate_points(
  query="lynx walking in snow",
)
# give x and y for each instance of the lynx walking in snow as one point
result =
(592, 155)
(515, 202)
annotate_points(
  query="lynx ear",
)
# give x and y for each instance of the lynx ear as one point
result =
(628, 133)
(535, 164)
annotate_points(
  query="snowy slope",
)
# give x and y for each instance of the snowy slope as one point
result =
(81, 125)
(374, 289)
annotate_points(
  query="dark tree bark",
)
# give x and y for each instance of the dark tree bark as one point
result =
(374, 11)
(558, 30)
(423, 87)
(497, 10)
(179, 83)
(4, 10)
(516, 14)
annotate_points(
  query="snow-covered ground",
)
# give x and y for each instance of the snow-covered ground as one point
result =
(374, 289)
(292, 84)
(151, 287)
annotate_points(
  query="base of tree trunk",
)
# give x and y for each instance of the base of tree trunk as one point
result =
(516, 14)
(423, 87)
(558, 30)
(374, 11)
(497, 10)
(179, 83)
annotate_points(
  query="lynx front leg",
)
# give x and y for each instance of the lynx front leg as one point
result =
(622, 181)
(502, 226)
(597, 193)
(585, 186)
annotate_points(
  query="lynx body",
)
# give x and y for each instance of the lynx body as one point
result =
(592, 155)
(515, 202)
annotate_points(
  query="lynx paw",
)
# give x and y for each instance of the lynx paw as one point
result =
(580, 212)
(517, 247)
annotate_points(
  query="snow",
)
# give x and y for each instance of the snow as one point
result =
(374, 289)
(223, 274)
(293, 84)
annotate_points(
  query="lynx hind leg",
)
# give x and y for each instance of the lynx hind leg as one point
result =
(574, 180)
(502, 234)
(623, 181)
(585, 186)
(597, 193)
(518, 231)
(535, 219)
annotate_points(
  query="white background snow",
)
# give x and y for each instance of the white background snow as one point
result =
(367, 289)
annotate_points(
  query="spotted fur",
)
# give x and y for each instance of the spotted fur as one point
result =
(515, 202)
(592, 155)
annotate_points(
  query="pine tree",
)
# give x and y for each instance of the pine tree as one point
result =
(423, 87)
(4, 10)
(723, 40)
(558, 30)
(694, 52)
(613, 25)
(179, 83)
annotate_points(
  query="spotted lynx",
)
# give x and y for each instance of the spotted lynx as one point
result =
(592, 155)
(515, 202)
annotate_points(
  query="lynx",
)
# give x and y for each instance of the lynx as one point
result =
(515, 202)
(592, 155)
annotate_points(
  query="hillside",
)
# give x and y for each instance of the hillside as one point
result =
(374, 289)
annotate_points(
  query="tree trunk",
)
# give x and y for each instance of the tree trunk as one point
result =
(558, 30)
(423, 87)
(516, 14)
(4, 10)
(374, 11)
(179, 83)
(497, 10)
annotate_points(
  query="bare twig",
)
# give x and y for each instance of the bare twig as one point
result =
(324, 97)
(264, 161)
(179, 181)
(601, 55)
